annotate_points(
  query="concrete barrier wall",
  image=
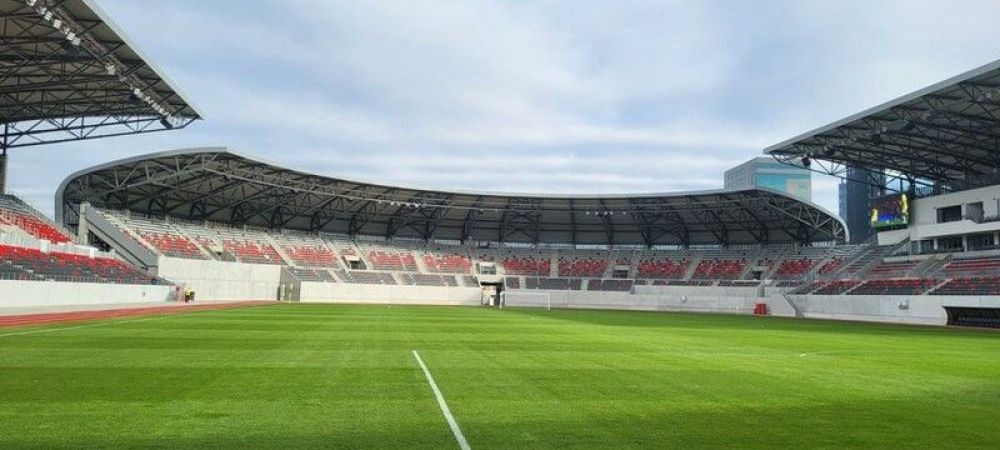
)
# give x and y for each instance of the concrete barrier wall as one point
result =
(725, 300)
(396, 295)
(917, 309)
(222, 280)
(16, 294)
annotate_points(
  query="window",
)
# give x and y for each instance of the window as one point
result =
(979, 241)
(950, 243)
(974, 212)
(949, 214)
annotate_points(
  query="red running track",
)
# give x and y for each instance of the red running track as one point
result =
(77, 316)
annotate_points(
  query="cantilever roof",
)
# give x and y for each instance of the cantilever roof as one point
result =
(68, 73)
(947, 133)
(221, 185)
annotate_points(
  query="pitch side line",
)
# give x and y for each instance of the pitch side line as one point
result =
(462, 443)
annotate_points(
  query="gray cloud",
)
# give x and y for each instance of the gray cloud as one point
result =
(553, 96)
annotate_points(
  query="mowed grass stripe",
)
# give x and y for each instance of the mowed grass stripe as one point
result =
(321, 376)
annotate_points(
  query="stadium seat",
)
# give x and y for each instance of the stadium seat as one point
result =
(613, 285)
(582, 267)
(720, 269)
(252, 252)
(447, 263)
(314, 275)
(793, 268)
(21, 263)
(526, 266)
(835, 287)
(397, 261)
(310, 255)
(970, 286)
(662, 268)
(900, 286)
(15, 213)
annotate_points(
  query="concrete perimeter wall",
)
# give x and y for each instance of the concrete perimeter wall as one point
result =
(396, 295)
(222, 280)
(17, 294)
(917, 309)
(724, 300)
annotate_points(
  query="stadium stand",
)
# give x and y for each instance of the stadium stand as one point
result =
(357, 277)
(15, 212)
(859, 270)
(437, 261)
(863, 270)
(158, 235)
(554, 284)
(316, 275)
(384, 257)
(891, 269)
(423, 279)
(836, 287)
(310, 256)
(970, 286)
(972, 267)
(901, 286)
(19, 263)
(794, 268)
(252, 251)
(528, 265)
(867, 257)
(609, 285)
(302, 249)
(832, 265)
(582, 267)
(719, 269)
(663, 268)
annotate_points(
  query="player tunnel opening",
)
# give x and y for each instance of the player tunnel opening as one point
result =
(491, 294)
(973, 317)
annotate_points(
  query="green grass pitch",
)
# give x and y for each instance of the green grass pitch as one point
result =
(317, 376)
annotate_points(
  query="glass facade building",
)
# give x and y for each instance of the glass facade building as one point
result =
(765, 172)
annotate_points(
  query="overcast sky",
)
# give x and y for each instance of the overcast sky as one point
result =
(518, 96)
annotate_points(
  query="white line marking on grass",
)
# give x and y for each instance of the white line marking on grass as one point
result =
(462, 443)
(86, 325)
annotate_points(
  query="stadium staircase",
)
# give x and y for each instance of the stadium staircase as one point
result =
(286, 260)
(15, 231)
(813, 273)
(201, 247)
(771, 262)
(928, 266)
(421, 266)
(936, 265)
(338, 262)
(127, 245)
(692, 267)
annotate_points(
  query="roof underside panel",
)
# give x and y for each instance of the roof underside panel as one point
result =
(218, 185)
(948, 133)
(67, 73)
